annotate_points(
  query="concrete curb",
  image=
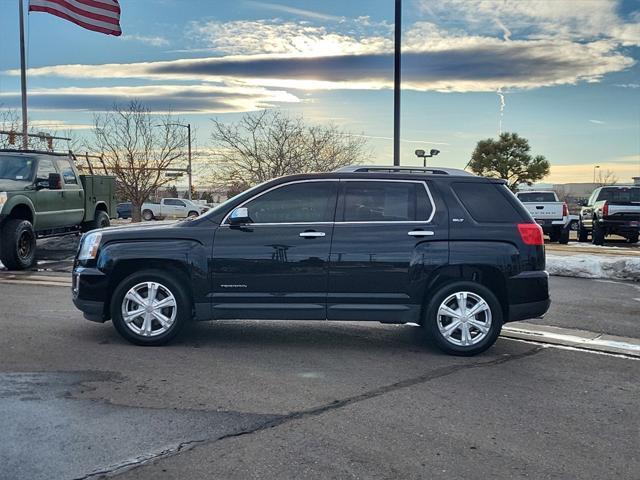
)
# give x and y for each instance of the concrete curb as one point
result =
(581, 339)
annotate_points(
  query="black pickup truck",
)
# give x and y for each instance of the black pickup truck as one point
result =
(455, 253)
(611, 210)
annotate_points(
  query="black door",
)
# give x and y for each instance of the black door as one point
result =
(276, 266)
(388, 236)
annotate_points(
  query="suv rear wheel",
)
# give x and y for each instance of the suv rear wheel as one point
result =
(464, 318)
(150, 308)
(18, 245)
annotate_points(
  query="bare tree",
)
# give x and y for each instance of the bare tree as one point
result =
(607, 177)
(269, 144)
(10, 122)
(138, 147)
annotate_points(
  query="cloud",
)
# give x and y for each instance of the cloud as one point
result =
(578, 20)
(597, 122)
(254, 37)
(454, 64)
(60, 125)
(292, 10)
(627, 85)
(153, 41)
(159, 98)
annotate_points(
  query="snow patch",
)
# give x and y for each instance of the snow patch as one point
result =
(594, 266)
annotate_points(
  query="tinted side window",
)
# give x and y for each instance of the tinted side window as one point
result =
(385, 202)
(620, 194)
(45, 167)
(176, 203)
(297, 202)
(67, 172)
(487, 202)
(537, 197)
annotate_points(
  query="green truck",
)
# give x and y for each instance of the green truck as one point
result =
(43, 195)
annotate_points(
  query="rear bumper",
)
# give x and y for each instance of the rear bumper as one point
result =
(528, 295)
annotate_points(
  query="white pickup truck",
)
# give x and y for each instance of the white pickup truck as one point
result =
(172, 208)
(549, 212)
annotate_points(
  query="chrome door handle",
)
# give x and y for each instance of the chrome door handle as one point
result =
(312, 234)
(421, 233)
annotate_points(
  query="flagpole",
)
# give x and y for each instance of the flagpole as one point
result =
(23, 81)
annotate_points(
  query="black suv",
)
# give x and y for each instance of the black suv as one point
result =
(455, 253)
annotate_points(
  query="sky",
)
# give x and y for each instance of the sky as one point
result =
(563, 73)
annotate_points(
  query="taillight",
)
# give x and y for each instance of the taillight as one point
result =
(605, 209)
(531, 233)
(565, 210)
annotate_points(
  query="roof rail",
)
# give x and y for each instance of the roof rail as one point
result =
(397, 169)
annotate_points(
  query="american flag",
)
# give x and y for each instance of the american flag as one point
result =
(97, 15)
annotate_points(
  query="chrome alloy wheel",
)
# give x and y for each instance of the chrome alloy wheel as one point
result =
(149, 309)
(464, 319)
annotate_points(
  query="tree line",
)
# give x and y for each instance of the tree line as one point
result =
(138, 146)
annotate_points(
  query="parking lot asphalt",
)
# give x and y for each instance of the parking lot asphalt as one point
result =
(300, 400)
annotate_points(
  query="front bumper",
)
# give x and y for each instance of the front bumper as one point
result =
(89, 293)
(528, 295)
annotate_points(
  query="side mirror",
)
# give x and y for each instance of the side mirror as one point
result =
(239, 216)
(55, 181)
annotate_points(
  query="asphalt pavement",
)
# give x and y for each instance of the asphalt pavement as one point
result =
(308, 400)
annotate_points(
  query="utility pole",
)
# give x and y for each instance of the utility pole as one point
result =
(23, 80)
(396, 84)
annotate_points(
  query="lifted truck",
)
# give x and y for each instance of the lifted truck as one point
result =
(612, 210)
(43, 195)
(548, 212)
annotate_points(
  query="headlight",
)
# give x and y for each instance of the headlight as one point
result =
(89, 248)
(3, 199)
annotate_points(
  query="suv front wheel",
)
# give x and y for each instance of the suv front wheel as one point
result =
(464, 318)
(150, 308)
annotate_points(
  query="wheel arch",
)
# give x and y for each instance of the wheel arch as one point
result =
(488, 276)
(20, 208)
(123, 268)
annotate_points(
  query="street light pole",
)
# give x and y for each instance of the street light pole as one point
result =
(189, 171)
(396, 84)
(594, 173)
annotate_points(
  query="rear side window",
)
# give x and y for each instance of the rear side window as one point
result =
(620, 194)
(386, 202)
(487, 202)
(537, 197)
(68, 174)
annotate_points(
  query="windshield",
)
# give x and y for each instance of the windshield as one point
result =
(537, 197)
(14, 167)
(620, 194)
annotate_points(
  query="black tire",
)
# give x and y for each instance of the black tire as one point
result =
(100, 220)
(430, 321)
(633, 237)
(554, 235)
(597, 235)
(172, 284)
(193, 214)
(583, 233)
(147, 215)
(18, 245)
(564, 236)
